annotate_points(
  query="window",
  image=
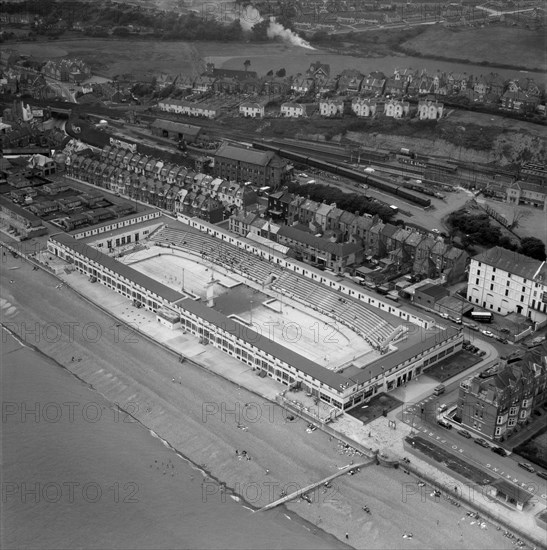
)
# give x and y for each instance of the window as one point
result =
(507, 293)
(477, 282)
(491, 287)
(493, 277)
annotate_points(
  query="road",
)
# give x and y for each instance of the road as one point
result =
(502, 467)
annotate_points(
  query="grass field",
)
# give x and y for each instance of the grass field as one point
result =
(502, 45)
(110, 57)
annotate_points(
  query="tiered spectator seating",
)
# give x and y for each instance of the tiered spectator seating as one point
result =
(351, 313)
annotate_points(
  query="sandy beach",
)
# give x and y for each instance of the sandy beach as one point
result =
(205, 417)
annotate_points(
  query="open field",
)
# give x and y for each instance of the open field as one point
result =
(531, 221)
(305, 332)
(503, 45)
(111, 57)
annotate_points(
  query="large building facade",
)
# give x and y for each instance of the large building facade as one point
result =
(505, 282)
(498, 401)
(342, 391)
(263, 168)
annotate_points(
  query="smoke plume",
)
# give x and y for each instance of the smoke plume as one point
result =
(277, 29)
(251, 16)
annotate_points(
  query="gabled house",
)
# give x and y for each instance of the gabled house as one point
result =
(293, 110)
(328, 86)
(251, 109)
(331, 107)
(374, 84)
(302, 84)
(350, 82)
(203, 83)
(430, 110)
(318, 71)
(363, 107)
(396, 85)
(396, 109)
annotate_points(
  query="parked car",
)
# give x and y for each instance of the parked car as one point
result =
(444, 424)
(499, 451)
(465, 433)
(527, 467)
(487, 333)
(482, 442)
(542, 475)
(482, 353)
(443, 407)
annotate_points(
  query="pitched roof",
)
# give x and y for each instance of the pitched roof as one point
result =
(176, 127)
(242, 154)
(510, 261)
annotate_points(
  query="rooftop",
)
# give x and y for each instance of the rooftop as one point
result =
(510, 261)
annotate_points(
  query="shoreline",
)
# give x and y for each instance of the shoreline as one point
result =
(303, 458)
(206, 474)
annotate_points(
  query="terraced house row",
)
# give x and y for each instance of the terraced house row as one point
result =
(167, 186)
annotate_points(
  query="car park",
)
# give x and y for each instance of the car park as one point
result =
(499, 451)
(465, 433)
(527, 467)
(482, 442)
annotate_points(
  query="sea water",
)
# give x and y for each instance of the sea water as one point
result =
(78, 473)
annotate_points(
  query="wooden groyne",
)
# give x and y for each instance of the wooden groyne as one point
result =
(309, 488)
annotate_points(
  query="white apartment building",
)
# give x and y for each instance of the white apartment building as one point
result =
(505, 282)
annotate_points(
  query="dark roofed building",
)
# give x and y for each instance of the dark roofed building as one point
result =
(428, 295)
(318, 250)
(241, 164)
(175, 130)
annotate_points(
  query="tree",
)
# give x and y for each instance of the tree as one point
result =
(246, 64)
(533, 247)
(270, 73)
(281, 73)
(259, 32)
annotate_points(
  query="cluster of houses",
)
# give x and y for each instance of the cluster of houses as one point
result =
(317, 233)
(170, 187)
(364, 95)
(317, 88)
(74, 71)
(323, 234)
